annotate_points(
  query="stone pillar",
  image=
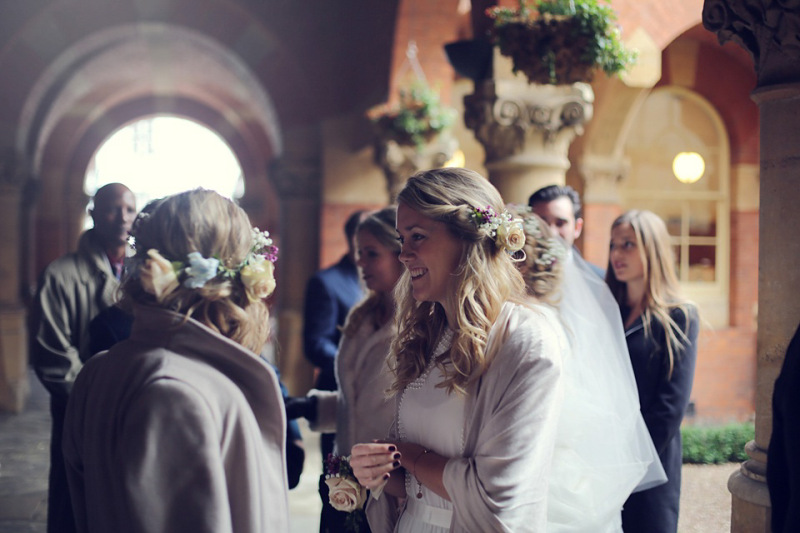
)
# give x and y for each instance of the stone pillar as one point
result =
(602, 177)
(400, 161)
(14, 384)
(768, 30)
(526, 130)
(298, 178)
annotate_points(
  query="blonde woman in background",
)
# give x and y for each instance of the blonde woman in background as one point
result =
(180, 428)
(477, 387)
(359, 410)
(661, 330)
(603, 450)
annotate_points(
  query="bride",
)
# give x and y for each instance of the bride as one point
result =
(603, 451)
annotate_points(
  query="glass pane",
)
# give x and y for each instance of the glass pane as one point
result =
(702, 219)
(676, 251)
(702, 263)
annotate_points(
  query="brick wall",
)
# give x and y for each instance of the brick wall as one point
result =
(744, 268)
(333, 244)
(725, 378)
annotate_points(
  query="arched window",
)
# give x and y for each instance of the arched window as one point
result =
(162, 155)
(678, 137)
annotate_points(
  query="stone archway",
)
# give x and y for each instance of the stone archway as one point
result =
(102, 82)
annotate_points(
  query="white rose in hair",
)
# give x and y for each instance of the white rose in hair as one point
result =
(258, 279)
(157, 275)
(511, 236)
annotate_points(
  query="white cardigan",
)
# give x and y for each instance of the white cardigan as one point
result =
(511, 417)
(359, 411)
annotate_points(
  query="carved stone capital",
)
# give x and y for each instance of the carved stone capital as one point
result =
(401, 161)
(512, 117)
(602, 176)
(768, 29)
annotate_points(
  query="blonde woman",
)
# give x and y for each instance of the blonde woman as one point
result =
(661, 331)
(477, 386)
(603, 449)
(359, 410)
(180, 428)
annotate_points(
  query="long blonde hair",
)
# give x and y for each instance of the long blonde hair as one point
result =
(486, 278)
(376, 306)
(202, 221)
(662, 290)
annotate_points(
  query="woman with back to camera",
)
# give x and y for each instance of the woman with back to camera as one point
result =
(359, 410)
(180, 428)
(477, 386)
(661, 330)
(603, 450)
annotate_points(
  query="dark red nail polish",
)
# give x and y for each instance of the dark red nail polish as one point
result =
(396, 464)
(396, 456)
(392, 448)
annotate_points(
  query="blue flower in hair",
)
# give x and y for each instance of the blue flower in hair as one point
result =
(200, 270)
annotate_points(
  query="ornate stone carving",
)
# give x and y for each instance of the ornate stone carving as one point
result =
(768, 29)
(401, 161)
(510, 117)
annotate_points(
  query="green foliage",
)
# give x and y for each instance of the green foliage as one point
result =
(715, 445)
(417, 117)
(561, 41)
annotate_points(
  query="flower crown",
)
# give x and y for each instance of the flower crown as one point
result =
(161, 277)
(507, 231)
(552, 248)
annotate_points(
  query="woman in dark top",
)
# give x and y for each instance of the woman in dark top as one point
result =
(661, 331)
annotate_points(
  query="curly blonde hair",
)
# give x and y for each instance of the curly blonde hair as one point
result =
(205, 222)
(543, 264)
(485, 278)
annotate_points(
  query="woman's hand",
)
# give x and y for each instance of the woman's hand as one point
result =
(373, 463)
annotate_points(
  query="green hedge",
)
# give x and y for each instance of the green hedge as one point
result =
(715, 445)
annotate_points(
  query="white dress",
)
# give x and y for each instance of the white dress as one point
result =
(429, 416)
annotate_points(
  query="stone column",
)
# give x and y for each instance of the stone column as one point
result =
(768, 30)
(526, 130)
(400, 161)
(14, 384)
(298, 178)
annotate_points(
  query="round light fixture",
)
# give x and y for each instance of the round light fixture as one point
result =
(688, 167)
(458, 160)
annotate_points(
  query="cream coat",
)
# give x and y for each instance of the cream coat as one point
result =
(177, 429)
(72, 291)
(359, 411)
(511, 417)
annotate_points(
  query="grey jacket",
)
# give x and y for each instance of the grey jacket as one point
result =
(177, 429)
(72, 291)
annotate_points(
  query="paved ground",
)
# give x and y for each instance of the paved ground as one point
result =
(24, 443)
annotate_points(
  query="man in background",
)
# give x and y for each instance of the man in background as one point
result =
(560, 207)
(72, 290)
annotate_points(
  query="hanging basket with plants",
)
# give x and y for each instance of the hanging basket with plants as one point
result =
(560, 41)
(415, 119)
